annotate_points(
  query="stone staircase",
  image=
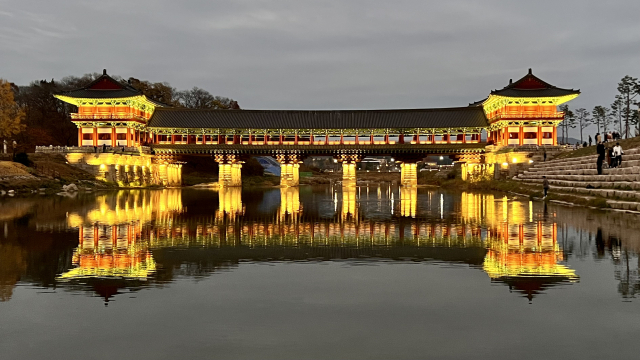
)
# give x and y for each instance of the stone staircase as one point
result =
(580, 175)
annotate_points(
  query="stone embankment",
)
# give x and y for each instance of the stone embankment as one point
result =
(579, 175)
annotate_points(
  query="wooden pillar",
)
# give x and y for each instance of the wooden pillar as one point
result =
(80, 139)
(448, 138)
(95, 136)
(295, 139)
(113, 137)
(464, 137)
(386, 139)
(521, 135)
(401, 139)
(371, 138)
(539, 136)
(555, 136)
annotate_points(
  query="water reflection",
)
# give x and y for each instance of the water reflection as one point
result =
(130, 239)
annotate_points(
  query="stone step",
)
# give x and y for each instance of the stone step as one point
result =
(623, 205)
(631, 174)
(625, 194)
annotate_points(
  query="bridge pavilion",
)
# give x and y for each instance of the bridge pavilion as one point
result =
(112, 113)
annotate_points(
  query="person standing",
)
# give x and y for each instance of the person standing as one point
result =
(545, 186)
(544, 155)
(590, 141)
(617, 155)
(601, 153)
(598, 138)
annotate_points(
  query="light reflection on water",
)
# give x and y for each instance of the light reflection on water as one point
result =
(122, 236)
(114, 245)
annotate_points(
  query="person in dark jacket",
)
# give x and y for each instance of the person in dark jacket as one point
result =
(545, 186)
(601, 154)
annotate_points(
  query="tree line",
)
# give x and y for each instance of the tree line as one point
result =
(32, 116)
(621, 116)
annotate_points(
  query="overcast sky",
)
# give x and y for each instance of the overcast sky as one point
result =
(346, 54)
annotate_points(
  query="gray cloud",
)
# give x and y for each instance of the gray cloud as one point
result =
(297, 54)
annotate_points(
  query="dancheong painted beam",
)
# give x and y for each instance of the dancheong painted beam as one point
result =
(114, 113)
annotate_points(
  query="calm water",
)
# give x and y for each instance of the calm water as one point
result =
(315, 273)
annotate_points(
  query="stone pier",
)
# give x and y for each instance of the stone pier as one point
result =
(289, 169)
(408, 174)
(129, 170)
(229, 170)
(349, 168)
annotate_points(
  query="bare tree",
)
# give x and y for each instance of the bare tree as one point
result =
(600, 117)
(629, 88)
(569, 122)
(583, 119)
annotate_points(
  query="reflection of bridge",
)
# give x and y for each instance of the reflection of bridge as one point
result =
(506, 238)
(112, 113)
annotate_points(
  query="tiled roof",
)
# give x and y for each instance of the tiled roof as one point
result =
(103, 87)
(319, 119)
(532, 86)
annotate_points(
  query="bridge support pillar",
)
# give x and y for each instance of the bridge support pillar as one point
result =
(229, 170)
(349, 168)
(348, 174)
(289, 169)
(408, 174)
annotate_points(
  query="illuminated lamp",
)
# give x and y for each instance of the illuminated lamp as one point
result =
(515, 160)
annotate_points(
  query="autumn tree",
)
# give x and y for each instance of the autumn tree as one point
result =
(11, 115)
(46, 117)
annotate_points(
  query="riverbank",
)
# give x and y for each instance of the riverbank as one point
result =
(45, 173)
(531, 191)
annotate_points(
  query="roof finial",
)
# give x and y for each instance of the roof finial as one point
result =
(104, 71)
(510, 81)
(530, 72)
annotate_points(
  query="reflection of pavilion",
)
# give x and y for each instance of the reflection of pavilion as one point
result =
(523, 252)
(513, 246)
(110, 241)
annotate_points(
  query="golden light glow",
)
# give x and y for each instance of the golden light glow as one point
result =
(408, 174)
(408, 201)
